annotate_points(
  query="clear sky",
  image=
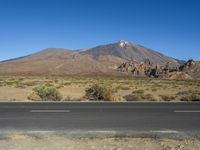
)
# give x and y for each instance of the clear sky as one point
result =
(171, 27)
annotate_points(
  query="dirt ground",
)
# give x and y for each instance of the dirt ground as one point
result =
(55, 142)
(73, 89)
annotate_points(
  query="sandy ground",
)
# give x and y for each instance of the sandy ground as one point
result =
(71, 93)
(73, 89)
(55, 142)
(12, 94)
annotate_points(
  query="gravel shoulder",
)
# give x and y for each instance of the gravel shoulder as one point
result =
(62, 142)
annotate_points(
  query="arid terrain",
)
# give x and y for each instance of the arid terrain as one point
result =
(61, 142)
(124, 89)
(100, 75)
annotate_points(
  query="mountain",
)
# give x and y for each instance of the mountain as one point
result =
(100, 60)
(129, 51)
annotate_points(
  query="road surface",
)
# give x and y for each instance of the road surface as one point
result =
(100, 116)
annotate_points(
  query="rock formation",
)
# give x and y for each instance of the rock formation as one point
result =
(148, 69)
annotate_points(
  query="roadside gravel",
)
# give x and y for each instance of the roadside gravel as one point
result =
(58, 142)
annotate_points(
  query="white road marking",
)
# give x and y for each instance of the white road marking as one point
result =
(40, 132)
(49, 111)
(164, 131)
(187, 111)
(102, 132)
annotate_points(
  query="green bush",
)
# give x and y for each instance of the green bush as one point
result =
(99, 92)
(46, 93)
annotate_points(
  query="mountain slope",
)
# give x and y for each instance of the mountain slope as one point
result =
(130, 51)
(101, 60)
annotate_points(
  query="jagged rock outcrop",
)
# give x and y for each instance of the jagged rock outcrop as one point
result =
(191, 67)
(135, 68)
(147, 69)
(189, 70)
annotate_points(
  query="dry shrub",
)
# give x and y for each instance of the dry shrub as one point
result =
(191, 97)
(34, 97)
(132, 97)
(135, 97)
(46, 93)
(138, 92)
(154, 89)
(100, 92)
(148, 97)
(123, 88)
(167, 97)
(20, 85)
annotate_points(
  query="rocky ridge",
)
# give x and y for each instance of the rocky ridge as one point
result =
(189, 70)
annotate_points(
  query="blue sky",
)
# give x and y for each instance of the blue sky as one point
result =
(171, 27)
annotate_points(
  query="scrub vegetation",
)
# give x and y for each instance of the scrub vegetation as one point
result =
(100, 92)
(45, 93)
(97, 89)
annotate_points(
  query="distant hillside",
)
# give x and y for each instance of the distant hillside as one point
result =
(100, 60)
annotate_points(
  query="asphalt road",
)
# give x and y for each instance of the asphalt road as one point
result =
(100, 116)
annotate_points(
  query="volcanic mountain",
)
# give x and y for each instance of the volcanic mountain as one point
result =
(100, 60)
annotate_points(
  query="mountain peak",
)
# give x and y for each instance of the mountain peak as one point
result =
(123, 43)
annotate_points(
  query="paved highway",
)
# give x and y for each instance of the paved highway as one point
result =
(100, 116)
